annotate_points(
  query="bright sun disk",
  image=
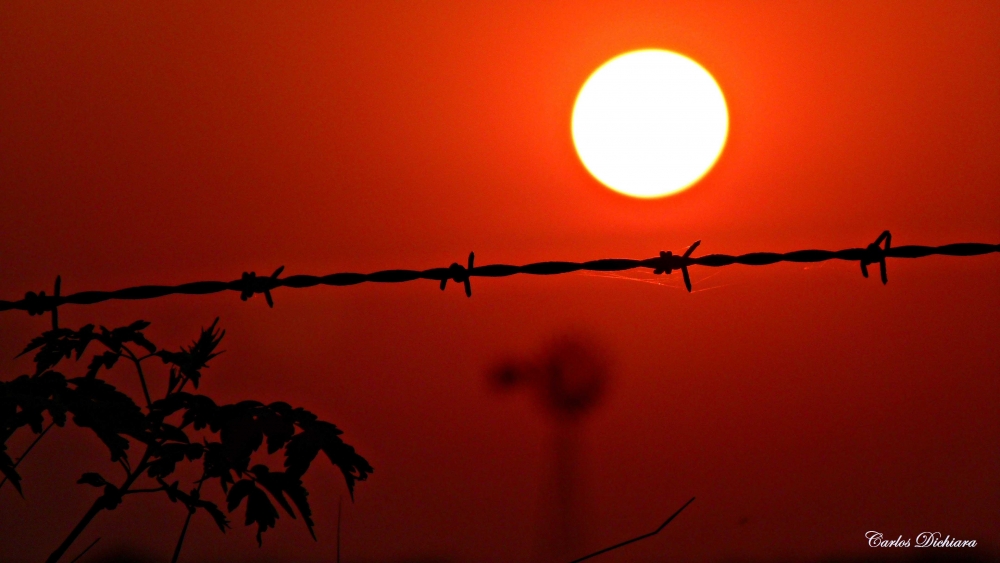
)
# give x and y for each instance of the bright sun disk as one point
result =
(649, 123)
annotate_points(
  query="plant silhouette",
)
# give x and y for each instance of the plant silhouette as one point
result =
(151, 443)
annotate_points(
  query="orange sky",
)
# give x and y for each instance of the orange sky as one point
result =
(150, 144)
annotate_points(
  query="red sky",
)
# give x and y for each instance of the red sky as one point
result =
(164, 144)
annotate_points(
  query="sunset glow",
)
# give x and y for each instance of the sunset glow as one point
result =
(552, 269)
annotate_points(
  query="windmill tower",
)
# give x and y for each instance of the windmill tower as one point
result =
(569, 378)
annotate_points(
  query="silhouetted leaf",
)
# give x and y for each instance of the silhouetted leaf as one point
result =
(351, 465)
(217, 465)
(319, 435)
(165, 457)
(193, 502)
(238, 492)
(259, 509)
(7, 468)
(114, 339)
(57, 344)
(201, 412)
(277, 423)
(217, 515)
(26, 399)
(170, 489)
(273, 483)
(105, 360)
(108, 412)
(278, 484)
(171, 433)
(195, 358)
(112, 497)
(92, 479)
(175, 402)
(239, 430)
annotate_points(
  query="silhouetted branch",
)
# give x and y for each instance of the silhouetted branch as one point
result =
(138, 368)
(101, 503)
(249, 284)
(86, 549)
(28, 450)
(637, 538)
(187, 522)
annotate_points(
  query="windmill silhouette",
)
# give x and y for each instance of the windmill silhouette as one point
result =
(569, 378)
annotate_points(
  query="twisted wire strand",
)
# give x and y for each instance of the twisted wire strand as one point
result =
(249, 284)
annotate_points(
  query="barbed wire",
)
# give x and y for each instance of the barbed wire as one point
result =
(250, 284)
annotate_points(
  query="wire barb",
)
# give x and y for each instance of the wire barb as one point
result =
(39, 303)
(252, 285)
(668, 262)
(875, 253)
(460, 274)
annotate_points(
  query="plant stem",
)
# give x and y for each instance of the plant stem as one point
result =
(94, 509)
(180, 540)
(142, 378)
(84, 552)
(138, 491)
(27, 451)
(171, 382)
(97, 507)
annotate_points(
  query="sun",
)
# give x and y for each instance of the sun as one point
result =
(650, 123)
